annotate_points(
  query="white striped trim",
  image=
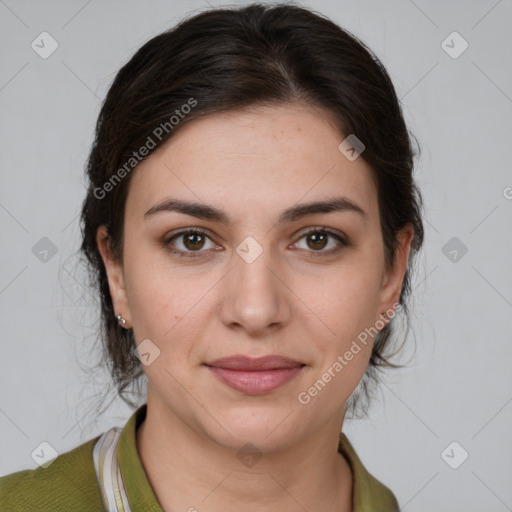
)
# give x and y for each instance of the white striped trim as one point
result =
(108, 472)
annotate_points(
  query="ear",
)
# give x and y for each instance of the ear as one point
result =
(393, 277)
(115, 276)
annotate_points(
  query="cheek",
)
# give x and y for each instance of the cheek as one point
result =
(167, 305)
(151, 292)
(343, 352)
(342, 307)
(344, 300)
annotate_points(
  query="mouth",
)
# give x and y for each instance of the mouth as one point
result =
(255, 376)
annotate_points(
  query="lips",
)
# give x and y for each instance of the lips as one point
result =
(255, 376)
(254, 364)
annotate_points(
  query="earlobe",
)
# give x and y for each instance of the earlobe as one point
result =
(114, 275)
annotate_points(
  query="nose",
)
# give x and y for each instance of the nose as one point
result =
(255, 297)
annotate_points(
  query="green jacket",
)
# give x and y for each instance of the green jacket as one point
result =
(70, 484)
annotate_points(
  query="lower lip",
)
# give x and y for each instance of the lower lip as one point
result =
(255, 382)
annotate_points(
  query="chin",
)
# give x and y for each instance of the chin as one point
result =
(269, 431)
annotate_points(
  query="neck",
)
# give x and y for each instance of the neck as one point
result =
(192, 472)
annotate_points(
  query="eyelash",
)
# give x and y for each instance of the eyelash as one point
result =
(195, 254)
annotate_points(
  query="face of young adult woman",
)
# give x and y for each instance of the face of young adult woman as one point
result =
(301, 287)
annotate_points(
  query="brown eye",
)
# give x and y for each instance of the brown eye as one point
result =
(189, 244)
(318, 239)
(193, 241)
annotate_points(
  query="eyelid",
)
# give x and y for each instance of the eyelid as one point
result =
(325, 229)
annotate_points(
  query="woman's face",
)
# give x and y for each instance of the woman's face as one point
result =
(254, 282)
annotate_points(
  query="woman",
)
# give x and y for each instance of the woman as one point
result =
(251, 220)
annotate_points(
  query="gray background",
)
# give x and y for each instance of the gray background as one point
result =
(457, 385)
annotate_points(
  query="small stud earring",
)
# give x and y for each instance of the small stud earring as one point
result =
(121, 321)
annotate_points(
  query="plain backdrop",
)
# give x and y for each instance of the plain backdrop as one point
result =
(457, 386)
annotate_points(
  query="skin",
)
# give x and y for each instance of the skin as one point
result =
(289, 301)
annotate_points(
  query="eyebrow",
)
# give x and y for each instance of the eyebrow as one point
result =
(214, 214)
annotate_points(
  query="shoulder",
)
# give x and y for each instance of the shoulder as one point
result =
(369, 493)
(68, 483)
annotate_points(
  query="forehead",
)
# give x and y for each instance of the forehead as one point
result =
(265, 159)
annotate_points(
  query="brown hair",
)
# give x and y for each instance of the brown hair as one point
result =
(228, 59)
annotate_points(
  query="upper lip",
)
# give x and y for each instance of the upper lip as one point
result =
(246, 363)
